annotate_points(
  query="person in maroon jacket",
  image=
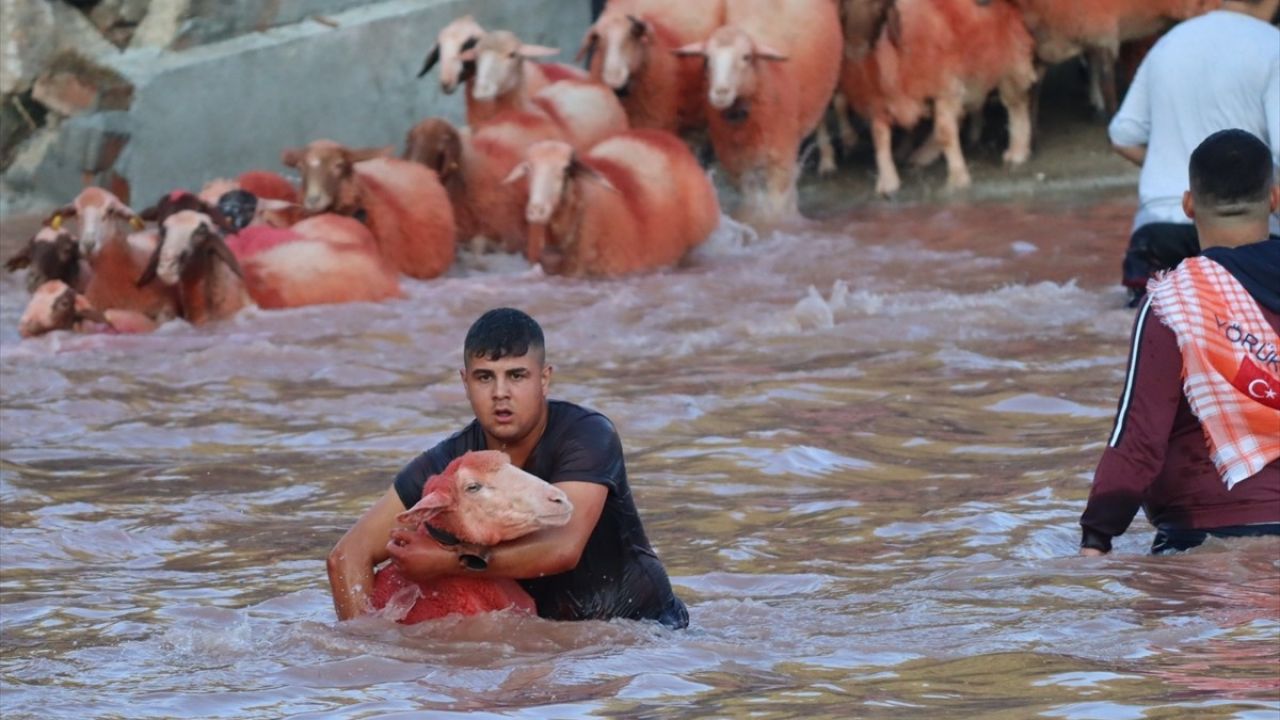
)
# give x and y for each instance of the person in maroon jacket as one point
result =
(1158, 457)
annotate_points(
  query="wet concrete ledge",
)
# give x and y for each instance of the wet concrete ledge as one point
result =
(219, 109)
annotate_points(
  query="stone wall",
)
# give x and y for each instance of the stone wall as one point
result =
(146, 97)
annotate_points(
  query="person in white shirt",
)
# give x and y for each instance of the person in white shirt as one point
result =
(1217, 71)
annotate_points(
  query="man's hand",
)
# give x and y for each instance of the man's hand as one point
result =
(1091, 552)
(419, 557)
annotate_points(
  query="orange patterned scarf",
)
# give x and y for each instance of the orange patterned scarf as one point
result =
(1230, 367)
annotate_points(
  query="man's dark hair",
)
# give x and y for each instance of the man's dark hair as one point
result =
(1231, 174)
(504, 332)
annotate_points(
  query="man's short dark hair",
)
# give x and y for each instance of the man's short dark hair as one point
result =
(1231, 173)
(504, 332)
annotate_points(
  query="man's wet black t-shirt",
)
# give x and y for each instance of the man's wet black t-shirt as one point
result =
(618, 575)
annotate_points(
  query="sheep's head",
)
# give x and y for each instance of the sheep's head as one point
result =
(56, 306)
(99, 214)
(731, 57)
(483, 500)
(499, 58)
(454, 39)
(49, 255)
(189, 241)
(626, 40)
(436, 143)
(551, 167)
(326, 169)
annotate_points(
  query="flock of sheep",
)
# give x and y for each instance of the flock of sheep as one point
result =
(586, 172)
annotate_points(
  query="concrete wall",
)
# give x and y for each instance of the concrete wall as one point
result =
(216, 110)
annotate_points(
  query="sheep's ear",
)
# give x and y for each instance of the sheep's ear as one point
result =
(123, 212)
(893, 26)
(533, 52)
(588, 46)
(433, 57)
(290, 157)
(153, 264)
(430, 504)
(640, 29)
(581, 169)
(516, 173)
(468, 55)
(692, 49)
(55, 218)
(764, 52)
(223, 253)
(22, 258)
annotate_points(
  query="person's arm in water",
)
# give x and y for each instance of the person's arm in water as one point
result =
(352, 560)
(1136, 450)
(545, 552)
(1130, 129)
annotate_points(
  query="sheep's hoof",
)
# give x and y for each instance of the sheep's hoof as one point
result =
(1014, 158)
(958, 182)
(888, 188)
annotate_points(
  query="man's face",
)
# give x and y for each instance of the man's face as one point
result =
(508, 395)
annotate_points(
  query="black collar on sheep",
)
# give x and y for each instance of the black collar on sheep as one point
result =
(477, 560)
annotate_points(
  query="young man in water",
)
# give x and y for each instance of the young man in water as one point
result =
(1202, 456)
(1220, 70)
(598, 566)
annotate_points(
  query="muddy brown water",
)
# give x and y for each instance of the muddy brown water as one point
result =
(870, 508)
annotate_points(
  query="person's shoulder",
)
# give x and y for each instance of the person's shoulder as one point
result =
(572, 419)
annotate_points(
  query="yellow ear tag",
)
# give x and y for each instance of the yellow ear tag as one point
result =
(136, 223)
(56, 223)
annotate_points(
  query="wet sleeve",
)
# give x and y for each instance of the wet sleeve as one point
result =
(591, 451)
(412, 477)
(1131, 126)
(1136, 450)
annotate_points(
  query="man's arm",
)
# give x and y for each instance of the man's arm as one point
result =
(1136, 154)
(1136, 449)
(1130, 129)
(352, 560)
(546, 552)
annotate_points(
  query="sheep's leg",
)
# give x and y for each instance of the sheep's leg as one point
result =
(848, 136)
(928, 152)
(826, 151)
(887, 180)
(946, 127)
(1102, 79)
(1015, 93)
(781, 182)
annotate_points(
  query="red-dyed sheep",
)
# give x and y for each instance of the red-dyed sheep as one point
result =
(630, 46)
(908, 55)
(1066, 28)
(480, 500)
(51, 254)
(771, 71)
(403, 202)
(57, 306)
(472, 166)
(635, 202)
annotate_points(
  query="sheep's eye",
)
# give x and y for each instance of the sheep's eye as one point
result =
(746, 58)
(473, 487)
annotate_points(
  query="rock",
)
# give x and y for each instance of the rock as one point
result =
(33, 32)
(161, 25)
(118, 19)
(73, 85)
